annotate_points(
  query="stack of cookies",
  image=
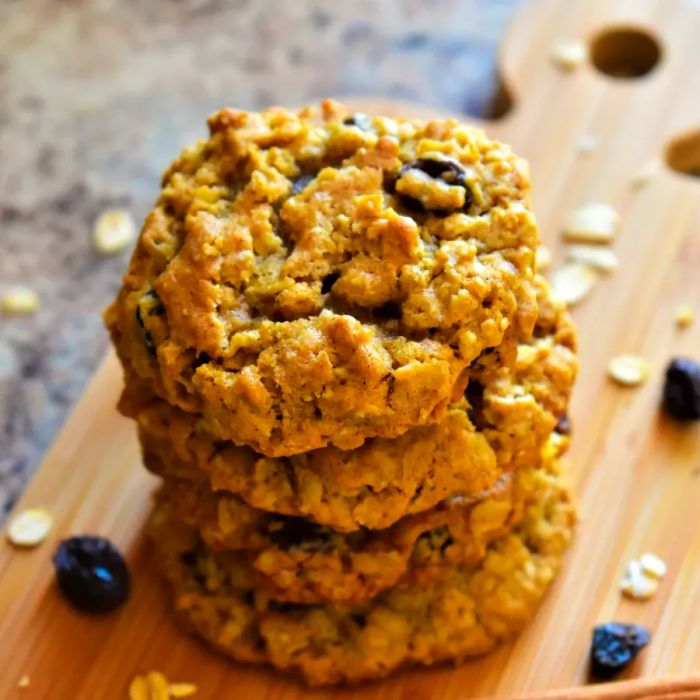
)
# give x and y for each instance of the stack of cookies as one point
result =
(354, 387)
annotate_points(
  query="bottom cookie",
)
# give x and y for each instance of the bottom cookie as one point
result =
(466, 612)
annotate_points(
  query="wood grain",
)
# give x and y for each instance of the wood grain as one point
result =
(637, 473)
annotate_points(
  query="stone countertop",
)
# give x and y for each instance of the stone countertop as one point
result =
(98, 96)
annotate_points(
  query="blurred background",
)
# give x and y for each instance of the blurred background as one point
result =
(98, 96)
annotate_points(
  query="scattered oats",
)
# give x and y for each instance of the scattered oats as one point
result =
(19, 300)
(640, 587)
(154, 686)
(653, 565)
(684, 316)
(23, 682)
(543, 258)
(573, 281)
(600, 257)
(587, 143)
(592, 223)
(569, 54)
(138, 689)
(634, 569)
(157, 685)
(30, 527)
(645, 174)
(114, 230)
(629, 370)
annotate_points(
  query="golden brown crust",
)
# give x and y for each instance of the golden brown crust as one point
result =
(465, 612)
(376, 484)
(296, 314)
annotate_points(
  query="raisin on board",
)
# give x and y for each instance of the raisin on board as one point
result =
(91, 574)
(681, 396)
(614, 646)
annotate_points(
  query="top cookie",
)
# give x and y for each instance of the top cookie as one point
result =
(311, 278)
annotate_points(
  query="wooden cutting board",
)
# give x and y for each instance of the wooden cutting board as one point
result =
(637, 473)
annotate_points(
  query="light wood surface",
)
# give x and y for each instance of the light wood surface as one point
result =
(637, 473)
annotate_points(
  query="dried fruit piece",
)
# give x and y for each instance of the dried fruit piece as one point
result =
(600, 257)
(684, 316)
(630, 370)
(30, 527)
(569, 54)
(19, 300)
(645, 173)
(114, 230)
(614, 646)
(653, 565)
(681, 396)
(563, 426)
(437, 184)
(595, 222)
(182, 690)
(543, 258)
(91, 573)
(573, 281)
(290, 532)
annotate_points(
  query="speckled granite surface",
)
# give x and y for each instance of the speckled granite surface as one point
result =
(97, 96)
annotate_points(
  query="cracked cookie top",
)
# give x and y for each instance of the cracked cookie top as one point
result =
(312, 277)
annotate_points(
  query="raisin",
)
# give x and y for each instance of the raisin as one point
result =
(390, 310)
(614, 646)
(189, 558)
(300, 183)
(91, 574)
(681, 396)
(359, 619)
(446, 169)
(328, 282)
(474, 394)
(563, 426)
(298, 533)
(360, 120)
(202, 359)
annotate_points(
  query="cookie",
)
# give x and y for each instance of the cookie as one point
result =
(295, 560)
(380, 482)
(371, 486)
(467, 611)
(304, 280)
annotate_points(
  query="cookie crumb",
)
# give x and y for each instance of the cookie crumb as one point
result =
(645, 174)
(595, 222)
(23, 682)
(629, 370)
(587, 143)
(684, 316)
(569, 54)
(572, 282)
(19, 300)
(114, 230)
(601, 258)
(154, 686)
(543, 258)
(653, 565)
(30, 527)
